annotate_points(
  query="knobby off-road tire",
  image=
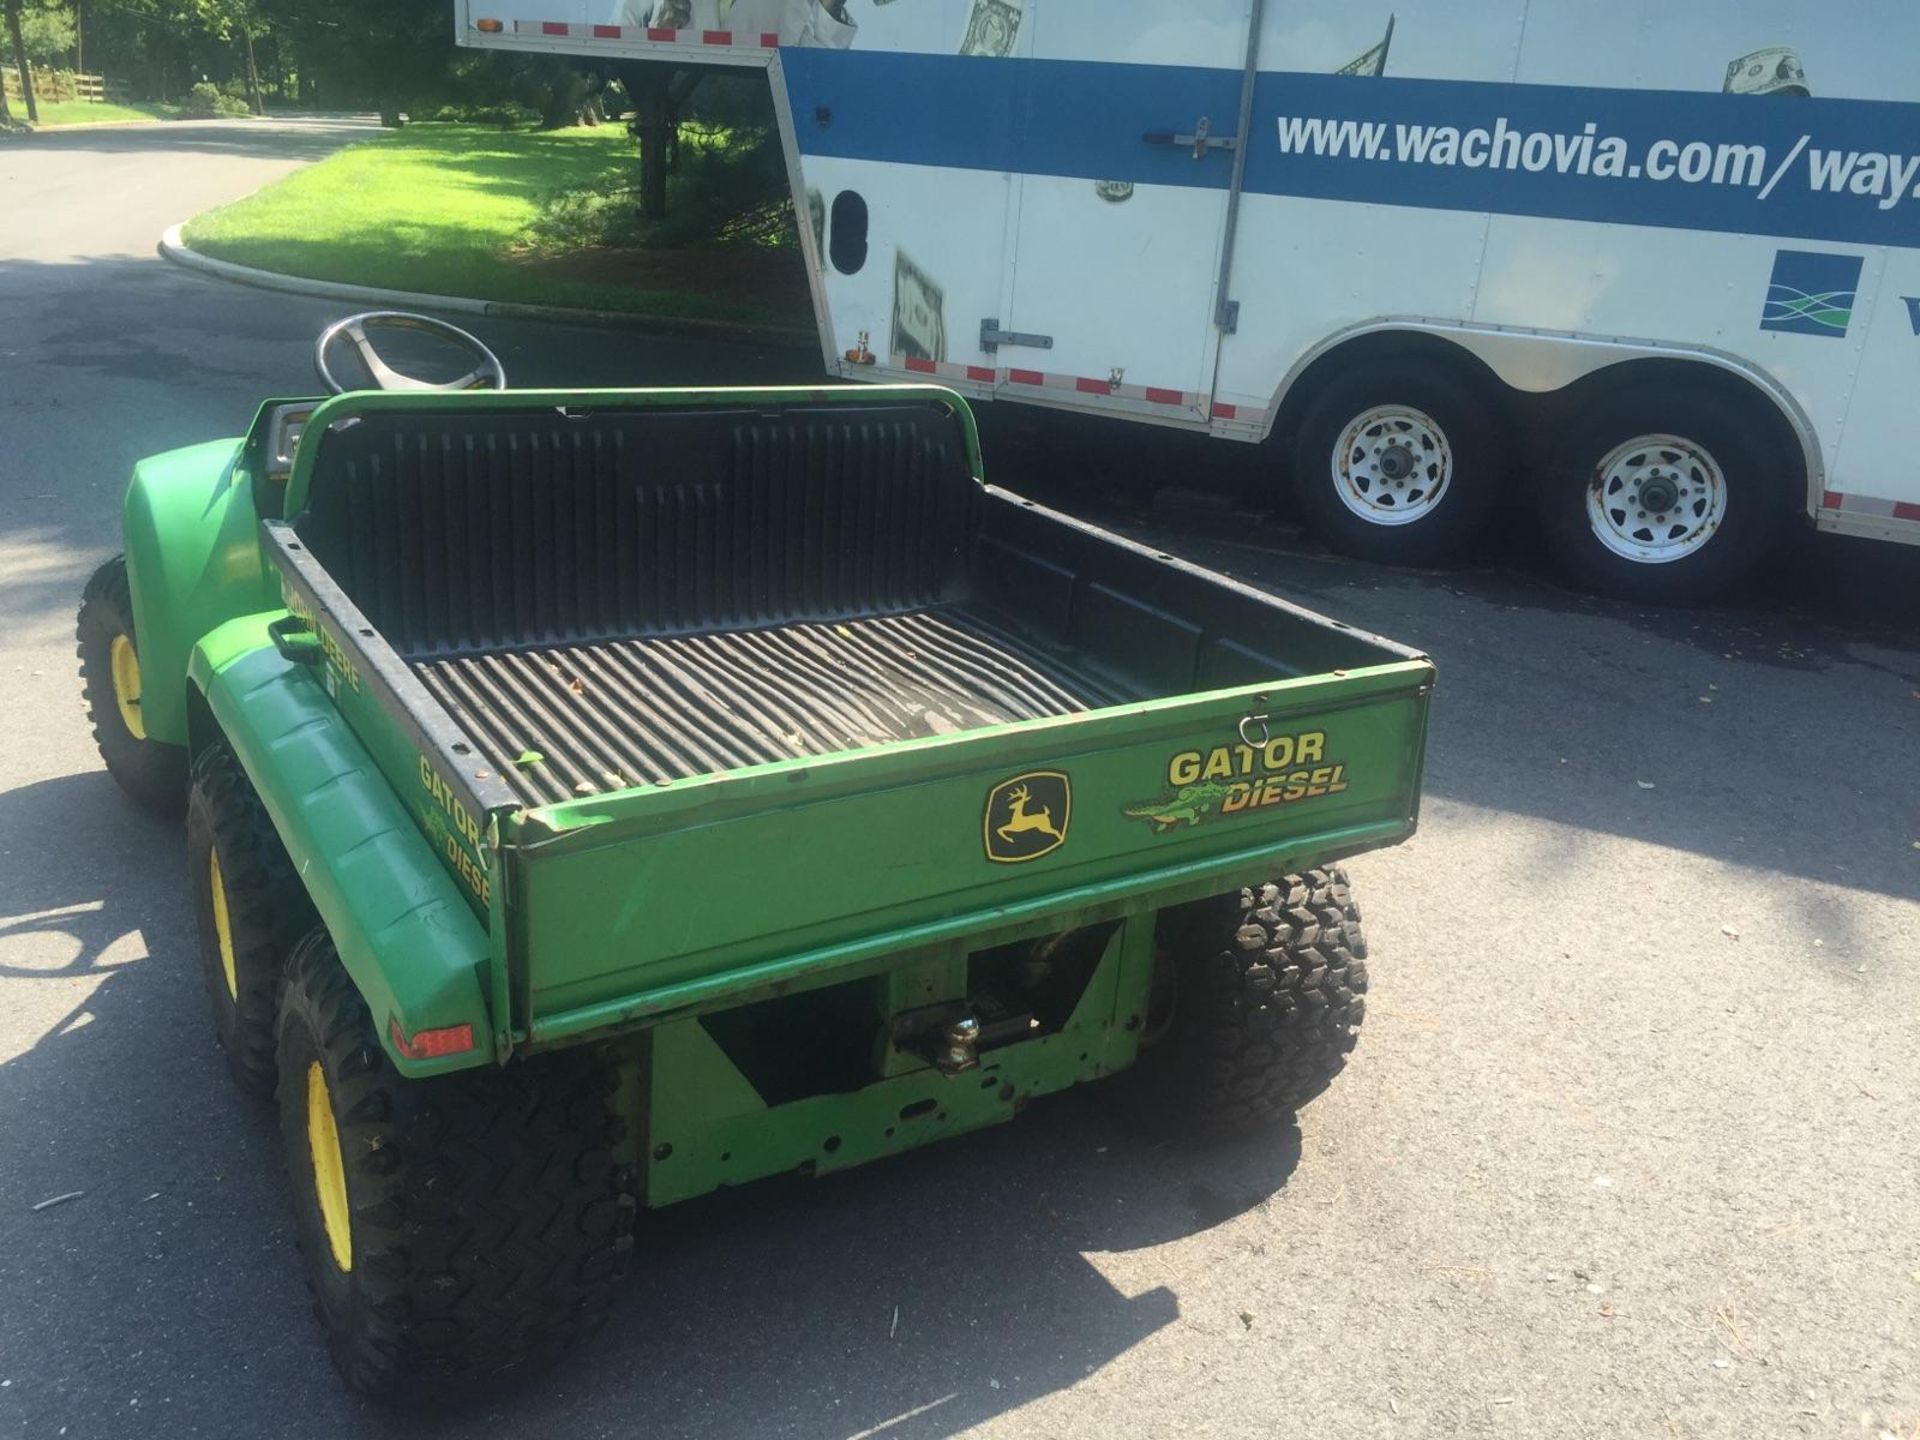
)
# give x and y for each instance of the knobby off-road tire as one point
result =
(1257, 1004)
(481, 1218)
(251, 909)
(153, 774)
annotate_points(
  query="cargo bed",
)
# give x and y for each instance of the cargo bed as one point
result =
(714, 696)
(609, 715)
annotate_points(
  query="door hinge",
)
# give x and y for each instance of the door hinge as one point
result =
(992, 337)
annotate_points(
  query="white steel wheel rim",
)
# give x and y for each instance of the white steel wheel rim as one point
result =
(1655, 499)
(1392, 465)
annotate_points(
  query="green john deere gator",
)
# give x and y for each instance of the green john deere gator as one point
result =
(596, 799)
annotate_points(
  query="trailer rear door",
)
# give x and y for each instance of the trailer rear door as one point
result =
(1120, 212)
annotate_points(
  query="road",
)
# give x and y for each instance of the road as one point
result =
(1629, 1146)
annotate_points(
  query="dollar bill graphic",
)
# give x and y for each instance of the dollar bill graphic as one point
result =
(993, 26)
(672, 15)
(1113, 191)
(1374, 61)
(817, 220)
(919, 313)
(1775, 70)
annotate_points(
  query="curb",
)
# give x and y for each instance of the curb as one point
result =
(173, 248)
(83, 126)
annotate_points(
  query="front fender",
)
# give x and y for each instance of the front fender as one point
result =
(193, 562)
(405, 933)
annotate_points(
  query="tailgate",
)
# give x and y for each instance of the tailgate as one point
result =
(697, 893)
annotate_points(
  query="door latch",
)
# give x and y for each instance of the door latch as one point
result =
(992, 337)
(1200, 141)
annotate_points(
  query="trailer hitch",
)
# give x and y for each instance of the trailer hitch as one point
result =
(952, 1037)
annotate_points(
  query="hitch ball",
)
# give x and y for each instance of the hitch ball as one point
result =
(962, 1050)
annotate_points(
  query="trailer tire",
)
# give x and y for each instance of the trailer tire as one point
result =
(1729, 489)
(458, 1231)
(1259, 996)
(251, 911)
(1399, 462)
(151, 772)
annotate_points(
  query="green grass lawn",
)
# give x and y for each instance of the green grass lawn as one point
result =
(88, 112)
(438, 208)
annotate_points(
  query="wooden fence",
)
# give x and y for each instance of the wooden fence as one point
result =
(52, 85)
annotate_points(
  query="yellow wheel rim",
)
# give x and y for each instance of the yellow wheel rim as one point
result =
(125, 664)
(222, 926)
(329, 1170)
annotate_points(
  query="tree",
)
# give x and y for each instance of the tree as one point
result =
(241, 21)
(47, 32)
(396, 54)
(660, 93)
(20, 59)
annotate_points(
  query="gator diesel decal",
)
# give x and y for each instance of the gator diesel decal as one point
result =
(1233, 779)
(456, 830)
(1027, 816)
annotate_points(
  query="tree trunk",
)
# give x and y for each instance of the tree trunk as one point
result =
(562, 107)
(658, 92)
(6, 112)
(20, 59)
(253, 80)
(652, 119)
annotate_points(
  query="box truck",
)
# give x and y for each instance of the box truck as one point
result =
(1654, 271)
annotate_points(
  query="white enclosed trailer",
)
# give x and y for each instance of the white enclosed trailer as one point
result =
(1654, 267)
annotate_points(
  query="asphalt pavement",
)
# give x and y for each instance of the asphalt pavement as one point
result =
(1631, 1145)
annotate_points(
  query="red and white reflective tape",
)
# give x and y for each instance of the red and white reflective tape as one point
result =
(1079, 385)
(653, 33)
(1869, 505)
(942, 370)
(1239, 414)
(1105, 389)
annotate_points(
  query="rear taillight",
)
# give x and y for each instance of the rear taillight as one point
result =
(431, 1044)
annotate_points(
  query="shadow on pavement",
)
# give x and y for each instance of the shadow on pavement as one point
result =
(107, 359)
(1224, 490)
(169, 1290)
(271, 139)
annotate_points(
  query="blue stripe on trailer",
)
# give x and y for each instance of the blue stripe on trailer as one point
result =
(1818, 169)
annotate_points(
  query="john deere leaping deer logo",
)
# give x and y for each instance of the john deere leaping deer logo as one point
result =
(1027, 816)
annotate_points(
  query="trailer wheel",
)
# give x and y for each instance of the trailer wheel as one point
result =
(458, 1231)
(1258, 999)
(1664, 495)
(151, 772)
(1399, 462)
(251, 908)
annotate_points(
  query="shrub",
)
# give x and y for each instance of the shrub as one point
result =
(204, 101)
(506, 115)
(728, 188)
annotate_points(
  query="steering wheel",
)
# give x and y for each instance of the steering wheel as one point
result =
(489, 373)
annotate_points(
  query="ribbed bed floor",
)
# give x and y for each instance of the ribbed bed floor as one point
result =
(613, 714)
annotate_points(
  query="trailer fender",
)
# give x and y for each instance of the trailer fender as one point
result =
(404, 932)
(193, 561)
